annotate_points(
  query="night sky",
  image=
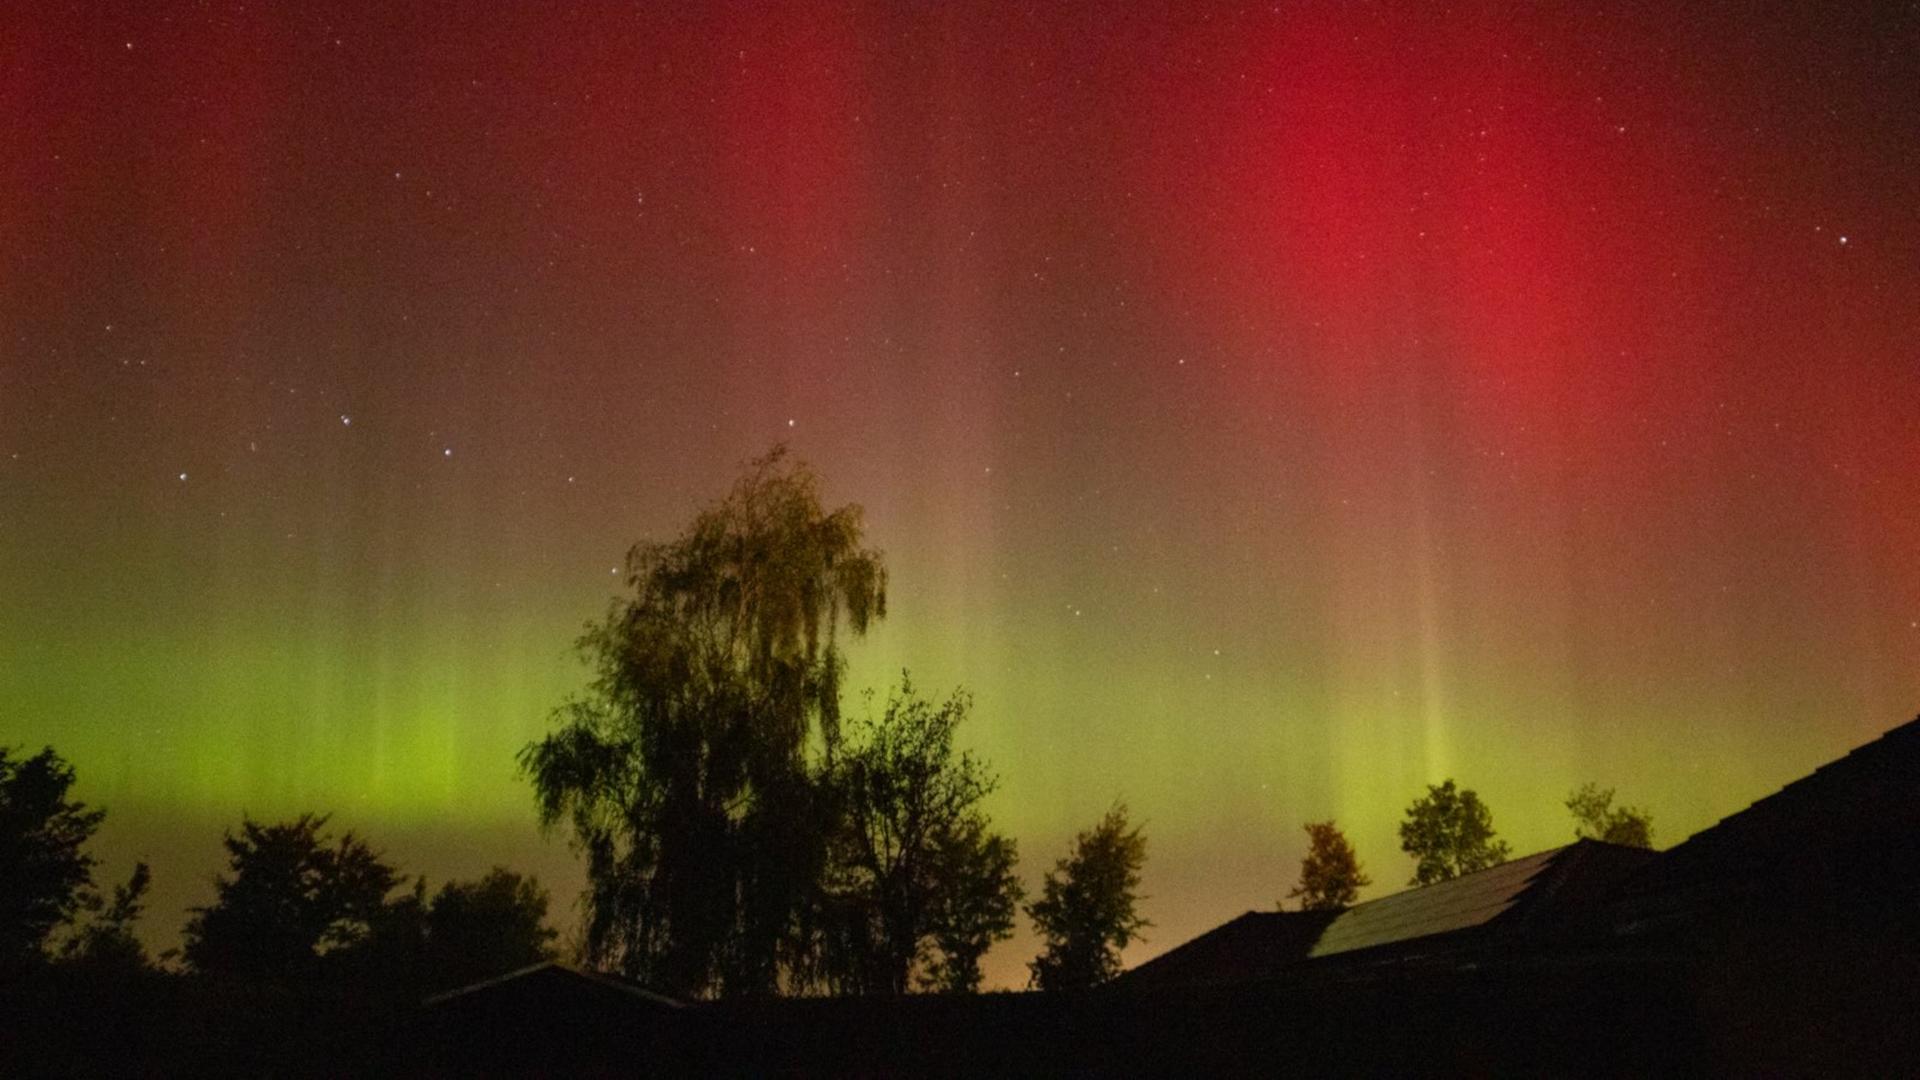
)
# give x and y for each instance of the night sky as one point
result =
(1264, 411)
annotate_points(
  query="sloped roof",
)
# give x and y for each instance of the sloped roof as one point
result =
(551, 977)
(545, 1020)
(1548, 891)
(1855, 815)
(1457, 904)
(1253, 946)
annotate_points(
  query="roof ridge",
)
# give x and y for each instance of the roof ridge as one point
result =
(602, 978)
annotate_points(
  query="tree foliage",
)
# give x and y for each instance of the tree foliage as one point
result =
(683, 774)
(1330, 876)
(1449, 832)
(1086, 911)
(1596, 818)
(106, 942)
(918, 882)
(468, 931)
(974, 907)
(478, 929)
(45, 876)
(292, 896)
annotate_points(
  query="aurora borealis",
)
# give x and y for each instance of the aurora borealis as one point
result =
(1264, 410)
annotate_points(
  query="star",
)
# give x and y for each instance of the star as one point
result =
(447, 452)
(183, 477)
(345, 420)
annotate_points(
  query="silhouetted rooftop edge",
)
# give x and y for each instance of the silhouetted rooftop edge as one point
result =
(585, 975)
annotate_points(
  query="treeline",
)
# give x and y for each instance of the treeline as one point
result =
(741, 835)
(921, 887)
(917, 887)
(310, 951)
(295, 906)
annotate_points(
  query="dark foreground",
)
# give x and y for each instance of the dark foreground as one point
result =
(1783, 941)
(1825, 1004)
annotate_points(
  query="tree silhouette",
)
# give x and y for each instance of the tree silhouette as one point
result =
(106, 942)
(1449, 832)
(389, 951)
(975, 907)
(467, 932)
(292, 896)
(1330, 877)
(918, 880)
(477, 929)
(683, 773)
(1596, 818)
(45, 877)
(1085, 913)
